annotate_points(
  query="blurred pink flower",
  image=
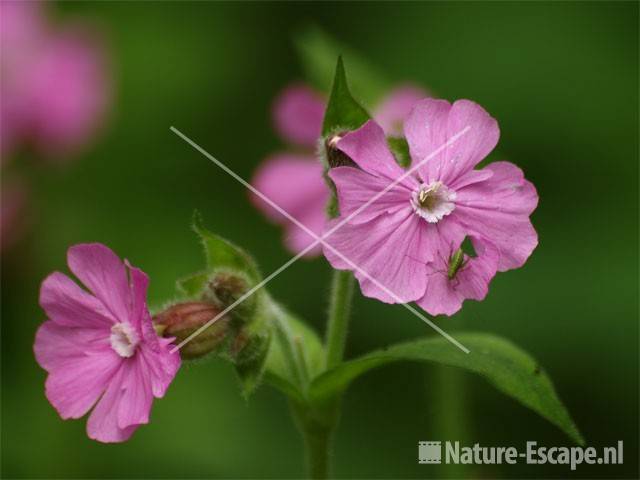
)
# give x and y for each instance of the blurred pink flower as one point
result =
(396, 107)
(100, 347)
(298, 112)
(55, 87)
(294, 180)
(397, 236)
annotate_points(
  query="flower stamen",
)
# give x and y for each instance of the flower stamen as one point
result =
(433, 202)
(124, 339)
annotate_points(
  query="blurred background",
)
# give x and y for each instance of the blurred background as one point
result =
(560, 78)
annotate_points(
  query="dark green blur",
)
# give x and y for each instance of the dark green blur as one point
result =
(562, 81)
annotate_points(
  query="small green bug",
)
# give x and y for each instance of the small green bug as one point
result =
(456, 263)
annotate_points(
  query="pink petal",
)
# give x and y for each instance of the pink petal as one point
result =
(433, 122)
(368, 147)
(356, 188)
(128, 400)
(297, 239)
(474, 278)
(104, 273)
(103, 421)
(390, 249)
(440, 298)
(505, 189)
(444, 296)
(498, 210)
(298, 113)
(135, 403)
(295, 184)
(471, 177)
(139, 284)
(67, 304)
(396, 107)
(426, 131)
(159, 364)
(80, 363)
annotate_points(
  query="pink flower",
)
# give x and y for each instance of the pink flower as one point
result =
(99, 347)
(398, 238)
(294, 181)
(54, 87)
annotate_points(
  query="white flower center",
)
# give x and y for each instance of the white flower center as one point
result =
(433, 202)
(124, 339)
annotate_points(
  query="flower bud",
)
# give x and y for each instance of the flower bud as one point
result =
(226, 288)
(335, 156)
(183, 319)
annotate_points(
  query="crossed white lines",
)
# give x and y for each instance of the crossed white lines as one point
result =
(320, 239)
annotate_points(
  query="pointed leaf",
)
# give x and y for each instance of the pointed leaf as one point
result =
(343, 111)
(222, 254)
(507, 367)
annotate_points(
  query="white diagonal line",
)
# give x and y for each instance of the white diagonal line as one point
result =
(321, 239)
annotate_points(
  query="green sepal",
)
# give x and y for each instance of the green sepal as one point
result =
(222, 254)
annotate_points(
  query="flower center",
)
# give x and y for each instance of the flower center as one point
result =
(124, 339)
(433, 202)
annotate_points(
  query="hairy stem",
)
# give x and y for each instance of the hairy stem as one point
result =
(338, 322)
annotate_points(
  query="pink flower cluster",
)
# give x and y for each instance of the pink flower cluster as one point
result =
(54, 90)
(293, 179)
(99, 347)
(409, 239)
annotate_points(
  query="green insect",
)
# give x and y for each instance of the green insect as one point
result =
(456, 263)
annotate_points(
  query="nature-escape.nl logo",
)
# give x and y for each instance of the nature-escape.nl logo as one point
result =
(432, 453)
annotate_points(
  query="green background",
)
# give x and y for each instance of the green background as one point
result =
(562, 81)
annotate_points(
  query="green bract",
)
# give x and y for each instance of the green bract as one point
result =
(343, 112)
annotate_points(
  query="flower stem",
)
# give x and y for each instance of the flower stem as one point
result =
(339, 310)
(317, 447)
(317, 424)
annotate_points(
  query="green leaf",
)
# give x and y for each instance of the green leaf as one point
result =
(192, 285)
(318, 52)
(343, 111)
(295, 356)
(222, 254)
(400, 149)
(511, 370)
